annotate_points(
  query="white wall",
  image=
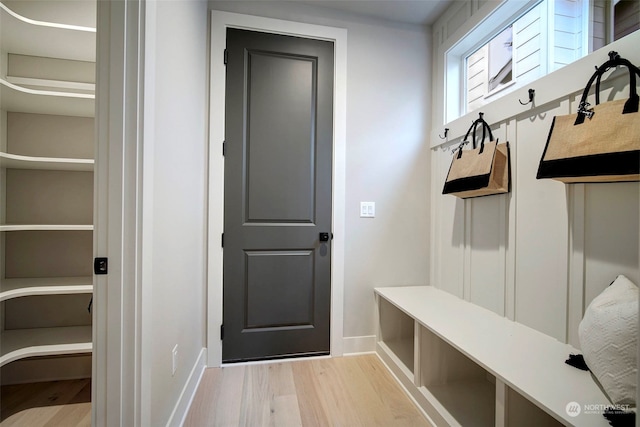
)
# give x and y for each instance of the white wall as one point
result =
(387, 158)
(175, 195)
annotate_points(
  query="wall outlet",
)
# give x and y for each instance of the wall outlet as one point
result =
(174, 359)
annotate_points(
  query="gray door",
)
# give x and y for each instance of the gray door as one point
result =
(278, 152)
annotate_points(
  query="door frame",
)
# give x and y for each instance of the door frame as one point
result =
(220, 21)
(120, 387)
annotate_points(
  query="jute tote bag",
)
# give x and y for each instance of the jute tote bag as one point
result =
(598, 144)
(482, 171)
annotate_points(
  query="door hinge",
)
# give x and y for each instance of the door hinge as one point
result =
(226, 57)
(222, 240)
(221, 332)
(101, 265)
(224, 148)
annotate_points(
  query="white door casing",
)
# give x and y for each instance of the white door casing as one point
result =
(220, 21)
(120, 391)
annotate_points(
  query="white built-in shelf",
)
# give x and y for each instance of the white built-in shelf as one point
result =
(24, 287)
(15, 161)
(25, 36)
(23, 99)
(46, 227)
(60, 46)
(23, 343)
(52, 85)
(465, 353)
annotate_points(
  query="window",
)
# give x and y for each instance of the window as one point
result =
(490, 68)
(546, 37)
(523, 41)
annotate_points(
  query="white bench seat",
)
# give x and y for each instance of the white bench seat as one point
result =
(471, 366)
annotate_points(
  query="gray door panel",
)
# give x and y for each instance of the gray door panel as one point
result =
(279, 138)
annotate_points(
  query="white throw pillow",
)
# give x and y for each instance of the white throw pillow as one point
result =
(608, 336)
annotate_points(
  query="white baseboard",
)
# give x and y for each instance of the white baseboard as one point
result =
(181, 409)
(357, 345)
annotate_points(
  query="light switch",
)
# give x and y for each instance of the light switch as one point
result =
(367, 209)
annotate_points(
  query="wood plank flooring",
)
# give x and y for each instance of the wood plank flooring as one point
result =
(343, 391)
(50, 404)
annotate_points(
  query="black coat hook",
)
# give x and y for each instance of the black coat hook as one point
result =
(446, 131)
(614, 59)
(532, 94)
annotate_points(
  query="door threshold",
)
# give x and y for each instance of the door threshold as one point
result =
(277, 359)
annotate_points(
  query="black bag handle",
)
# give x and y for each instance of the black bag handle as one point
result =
(631, 106)
(614, 61)
(472, 131)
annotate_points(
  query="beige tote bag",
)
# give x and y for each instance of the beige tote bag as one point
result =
(598, 144)
(481, 171)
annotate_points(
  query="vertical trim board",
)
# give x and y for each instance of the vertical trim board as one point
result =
(511, 249)
(576, 280)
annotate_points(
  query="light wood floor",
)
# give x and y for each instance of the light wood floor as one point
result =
(343, 391)
(51, 404)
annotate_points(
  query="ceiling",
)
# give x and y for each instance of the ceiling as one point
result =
(418, 12)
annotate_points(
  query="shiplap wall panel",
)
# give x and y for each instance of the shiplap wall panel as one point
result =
(540, 254)
(487, 245)
(563, 243)
(450, 232)
(541, 232)
(487, 241)
(611, 235)
(611, 214)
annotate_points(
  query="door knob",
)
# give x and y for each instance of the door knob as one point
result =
(324, 237)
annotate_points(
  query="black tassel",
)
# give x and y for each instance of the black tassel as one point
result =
(620, 418)
(577, 361)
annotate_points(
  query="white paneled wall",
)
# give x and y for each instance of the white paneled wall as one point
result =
(540, 254)
(541, 233)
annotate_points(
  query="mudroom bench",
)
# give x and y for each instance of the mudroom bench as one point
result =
(467, 366)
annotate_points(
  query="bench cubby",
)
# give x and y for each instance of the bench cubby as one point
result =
(467, 366)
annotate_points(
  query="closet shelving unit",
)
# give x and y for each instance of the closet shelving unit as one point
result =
(33, 178)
